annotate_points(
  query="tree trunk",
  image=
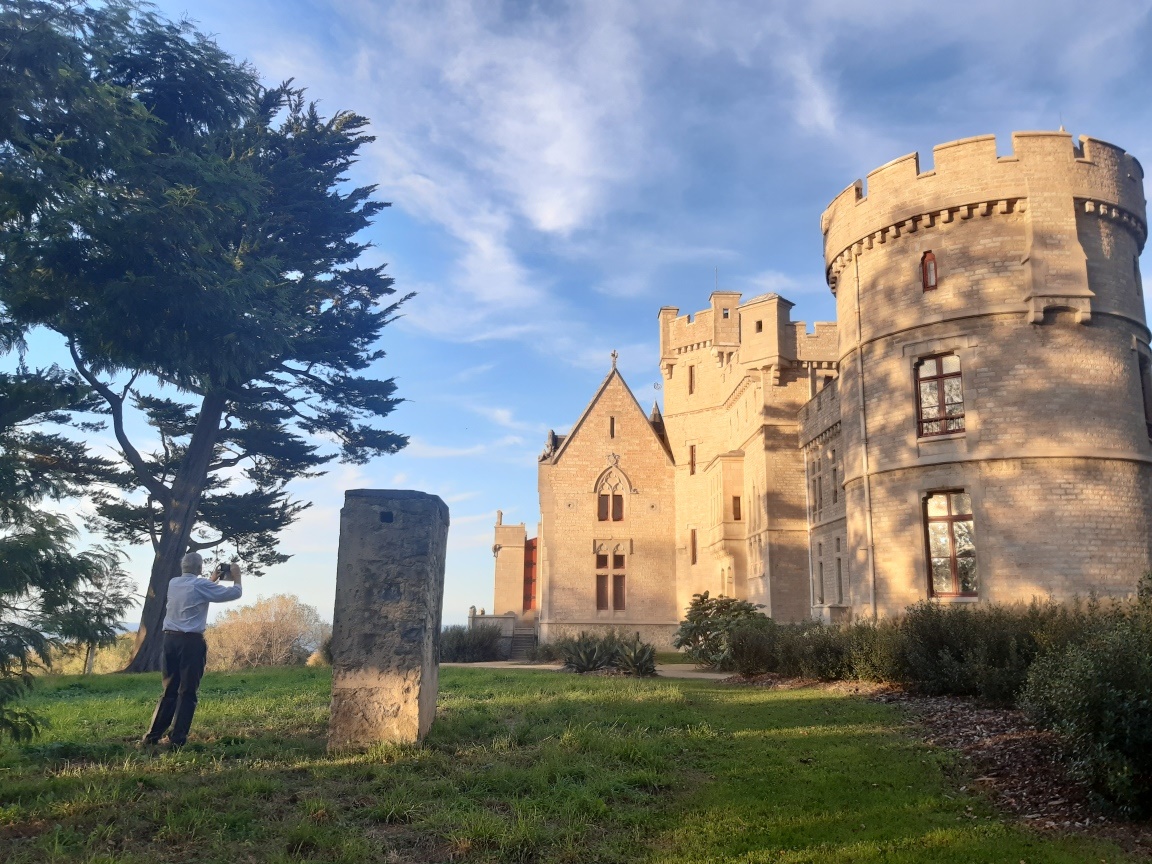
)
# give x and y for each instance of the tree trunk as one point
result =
(179, 518)
(90, 659)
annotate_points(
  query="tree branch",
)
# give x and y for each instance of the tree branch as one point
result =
(157, 489)
(229, 463)
(196, 546)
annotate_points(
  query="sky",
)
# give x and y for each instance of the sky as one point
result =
(558, 171)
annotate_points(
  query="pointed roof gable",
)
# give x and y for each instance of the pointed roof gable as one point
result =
(564, 441)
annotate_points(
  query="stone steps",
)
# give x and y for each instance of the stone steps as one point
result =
(522, 640)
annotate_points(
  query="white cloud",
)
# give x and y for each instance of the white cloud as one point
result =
(420, 449)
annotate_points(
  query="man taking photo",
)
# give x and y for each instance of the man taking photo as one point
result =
(185, 651)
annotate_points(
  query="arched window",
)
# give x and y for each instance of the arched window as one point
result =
(610, 497)
(928, 271)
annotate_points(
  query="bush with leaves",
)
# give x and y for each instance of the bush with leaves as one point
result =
(276, 631)
(705, 633)
(805, 649)
(1096, 692)
(460, 644)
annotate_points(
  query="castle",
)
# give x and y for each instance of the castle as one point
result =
(974, 427)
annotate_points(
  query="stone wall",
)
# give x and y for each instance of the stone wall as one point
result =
(1039, 298)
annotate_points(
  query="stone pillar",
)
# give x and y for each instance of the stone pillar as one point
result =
(386, 623)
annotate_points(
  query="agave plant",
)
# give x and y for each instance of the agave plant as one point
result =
(636, 658)
(587, 653)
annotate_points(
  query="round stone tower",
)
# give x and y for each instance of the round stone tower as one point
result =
(994, 373)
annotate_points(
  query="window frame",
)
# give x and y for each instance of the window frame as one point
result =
(929, 271)
(953, 558)
(939, 377)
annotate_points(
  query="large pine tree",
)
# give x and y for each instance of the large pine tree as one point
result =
(186, 230)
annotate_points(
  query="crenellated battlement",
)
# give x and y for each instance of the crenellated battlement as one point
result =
(969, 180)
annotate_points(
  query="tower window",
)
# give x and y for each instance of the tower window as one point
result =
(611, 427)
(939, 396)
(759, 326)
(735, 508)
(691, 380)
(692, 545)
(691, 458)
(724, 314)
(951, 545)
(928, 271)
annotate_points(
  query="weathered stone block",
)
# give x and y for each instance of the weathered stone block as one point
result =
(386, 622)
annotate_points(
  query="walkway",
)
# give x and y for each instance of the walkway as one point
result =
(664, 670)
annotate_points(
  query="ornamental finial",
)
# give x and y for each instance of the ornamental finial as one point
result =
(614, 356)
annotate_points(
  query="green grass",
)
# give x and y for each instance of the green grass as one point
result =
(673, 658)
(528, 766)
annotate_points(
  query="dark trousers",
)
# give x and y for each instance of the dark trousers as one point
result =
(182, 667)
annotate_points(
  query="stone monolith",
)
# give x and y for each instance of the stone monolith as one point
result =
(386, 622)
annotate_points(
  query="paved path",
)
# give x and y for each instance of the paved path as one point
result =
(665, 670)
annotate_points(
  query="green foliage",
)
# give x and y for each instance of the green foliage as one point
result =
(460, 644)
(179, 226)
(50, 594)
(805, 650)
(589, 652)
(548, 652)
(636, 657)
(705, 632)
(1097, 693)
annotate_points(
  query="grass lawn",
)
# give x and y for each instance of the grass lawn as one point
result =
(530, 766)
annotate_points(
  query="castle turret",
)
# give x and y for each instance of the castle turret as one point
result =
(994, 385)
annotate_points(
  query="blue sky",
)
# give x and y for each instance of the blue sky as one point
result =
(560, 170)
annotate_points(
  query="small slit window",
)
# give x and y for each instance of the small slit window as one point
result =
(692, 545)
(928, 274)
(691, 380)
(611, 427)
(759, 326)
(736, 508)
(691, 458)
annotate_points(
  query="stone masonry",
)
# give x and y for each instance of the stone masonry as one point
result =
(975, 428)
(386, 622)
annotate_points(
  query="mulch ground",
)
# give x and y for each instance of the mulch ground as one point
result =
(1006, 758)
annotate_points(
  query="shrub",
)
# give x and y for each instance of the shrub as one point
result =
(589, 652)
(1097, 694)
(984, 652)
(276, 631)
(549, 652)
(459, 644)
(874, 650)
(636, 657)
(753, 647)
(807, 649)
(705, 633)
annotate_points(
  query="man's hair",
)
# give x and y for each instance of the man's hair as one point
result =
(192, 563)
